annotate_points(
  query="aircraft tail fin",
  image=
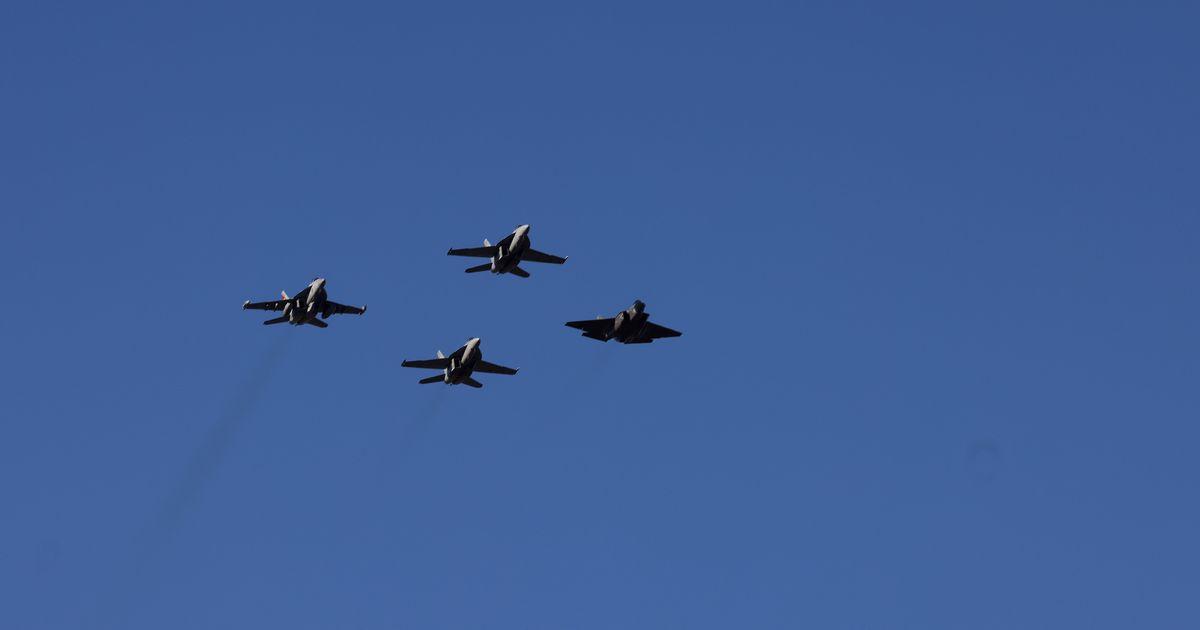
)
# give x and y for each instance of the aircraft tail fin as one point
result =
(472, 382)
(478, 268)
(437, 378)
(277, 320)
(517, 271)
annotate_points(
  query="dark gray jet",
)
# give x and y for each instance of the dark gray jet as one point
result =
(305, 306)
(507, 254)
(631, 325)
(457, 367)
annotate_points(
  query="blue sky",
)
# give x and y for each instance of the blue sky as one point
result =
(934, 265)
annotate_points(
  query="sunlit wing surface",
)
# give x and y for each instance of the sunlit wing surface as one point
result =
(275, 305)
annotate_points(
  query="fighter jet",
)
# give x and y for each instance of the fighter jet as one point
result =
(305, 306)
(631, 325)
(507, 254)
(457, 367)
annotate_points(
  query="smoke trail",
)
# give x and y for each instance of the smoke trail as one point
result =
(413, 432)
(207, 459)
(115, 610)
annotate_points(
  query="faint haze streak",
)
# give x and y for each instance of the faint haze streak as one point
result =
(985, 460)
(117, 607)
(412, 433)
(415, 430)
(212, 451)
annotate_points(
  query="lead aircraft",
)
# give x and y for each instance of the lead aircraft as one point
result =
(508, 254)
(305, 306)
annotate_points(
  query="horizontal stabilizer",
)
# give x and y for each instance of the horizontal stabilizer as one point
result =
(318, 323)
(277, 320)
(478, 268)
(517, 271)
(438, 378)
(472, 382)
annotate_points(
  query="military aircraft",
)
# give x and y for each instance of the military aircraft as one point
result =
(631, 325)
(305, 306)
(457, 367)
(507, 254)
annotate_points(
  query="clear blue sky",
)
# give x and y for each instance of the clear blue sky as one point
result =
(935, 266)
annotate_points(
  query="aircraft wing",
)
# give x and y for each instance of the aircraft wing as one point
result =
(333, 308)
(593, 326)
(533, 255)
(492, 368)
(477, 252)
(275, 305)
(654, 331)
(429, 364)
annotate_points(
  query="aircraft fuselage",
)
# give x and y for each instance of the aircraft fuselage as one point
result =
(301, 311)
(462, 367)
(508, 257)
(628, 324)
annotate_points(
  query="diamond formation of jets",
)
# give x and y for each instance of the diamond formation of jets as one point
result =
(508, 254)
(311, 305)
(631, 325)
(305, 306)
(458, 367)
